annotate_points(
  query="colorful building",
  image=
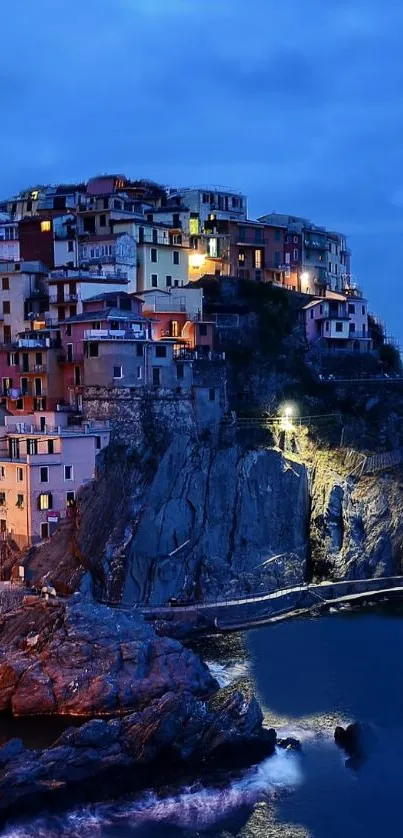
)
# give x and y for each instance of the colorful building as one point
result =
(44, 462)
(338, 323)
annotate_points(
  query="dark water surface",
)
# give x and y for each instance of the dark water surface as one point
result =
(309, 676)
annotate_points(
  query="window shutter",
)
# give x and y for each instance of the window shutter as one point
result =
(50, 500)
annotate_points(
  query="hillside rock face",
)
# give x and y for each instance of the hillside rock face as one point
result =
(212, 519)
(356, 525)
(83, 659)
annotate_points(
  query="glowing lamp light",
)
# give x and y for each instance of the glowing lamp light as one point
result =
(287, 417)
(305, 276)
(197, 260)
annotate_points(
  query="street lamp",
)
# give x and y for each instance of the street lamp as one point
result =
(287, 414)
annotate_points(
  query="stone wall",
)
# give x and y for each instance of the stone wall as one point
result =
(152, 415)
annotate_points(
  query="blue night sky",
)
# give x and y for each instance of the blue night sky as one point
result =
(297, 103)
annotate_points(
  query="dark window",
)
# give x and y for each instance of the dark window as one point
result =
(339, 327)
(156, 376)
(125, 303)
(160, 352)
(59, 202)
(70, 246)
(102, 220)
(141, 235)
(211, 394)
(5, 283)
(351, 308)
(168, 281)
(32, 446)
(6, 307)
(154, 280)
(61, 313)
(106, 203)
(7, 334)
(117, 204)
(176, 257)
(139, 350)
(203, 330)
(98, 442)
(277, 235)
(2, 498)
(93, 350)
(20, 404)
(155, 236)
(20, 501)
(44, 474)
(68, 472)
(24, 386)
(180, 371)
(3, 525)
(176, 219)
(69, 352)
(68, 330)
(363, 309)
(154, 256)
(38, 359)
(117, 371)
(29, 206)
(51, 446)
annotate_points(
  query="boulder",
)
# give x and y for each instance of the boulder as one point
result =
(91, 659)
(358, 740)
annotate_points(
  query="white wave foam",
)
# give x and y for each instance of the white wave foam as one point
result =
(227, 674)
(195, 806)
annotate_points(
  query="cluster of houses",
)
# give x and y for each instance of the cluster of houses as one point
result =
(97, 289)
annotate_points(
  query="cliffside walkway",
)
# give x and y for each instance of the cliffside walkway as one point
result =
(233, 614)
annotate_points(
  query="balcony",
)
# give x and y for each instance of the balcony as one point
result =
(87, 429)
(114, 334)
(86, 275)
(315, 244)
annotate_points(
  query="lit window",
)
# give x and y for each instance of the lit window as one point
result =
(68, 472)
(45, 501)
(258, 259)
(45, 226)
(70, 499)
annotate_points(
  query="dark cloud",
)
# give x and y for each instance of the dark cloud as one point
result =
(298, 104)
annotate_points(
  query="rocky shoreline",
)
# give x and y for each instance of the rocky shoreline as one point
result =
(158, 709)
(176, 736)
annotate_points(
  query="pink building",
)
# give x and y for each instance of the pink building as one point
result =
(116, 316)
(44, 462)
(338, 322)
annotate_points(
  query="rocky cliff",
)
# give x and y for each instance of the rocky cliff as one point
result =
(213, 519)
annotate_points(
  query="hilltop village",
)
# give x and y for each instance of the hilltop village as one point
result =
(123, 302)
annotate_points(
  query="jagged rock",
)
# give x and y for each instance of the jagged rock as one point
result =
(358, 740)
(90, 659)
(289, 744)
(102, 758)
(356, 527)
(229, 512)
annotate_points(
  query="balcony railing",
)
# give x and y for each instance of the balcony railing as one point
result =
(113, 334)
(88, 428)
(315, 244)
(83, 275)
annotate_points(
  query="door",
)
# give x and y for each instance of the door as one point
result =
(43, 423)
(156, 376)
(69, 351)
(25, 362)
(44, 530)
(77, 376)
(38, 386)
